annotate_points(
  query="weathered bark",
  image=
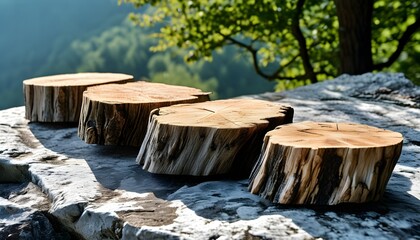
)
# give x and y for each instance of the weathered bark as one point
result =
(209, 138)
(325, 163)
(355, 35)
(117, 114)
(58, 98)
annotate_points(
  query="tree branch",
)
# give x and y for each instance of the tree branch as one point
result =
(405, 38)
(290, 62)
(300, 77)
(254, 53)
(303, 49)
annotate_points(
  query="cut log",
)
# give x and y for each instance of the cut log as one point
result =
(325, 163)
(58, 98)
(118, 114)
(210, 138)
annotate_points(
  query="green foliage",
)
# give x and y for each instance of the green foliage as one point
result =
(68, 39)
(409, 61)
(207, 25)
(36, 42)
(235, 73)
(126, 49)
(161, 69)
(118, 49)
(201, 26)
(390, 21)
(267, 29)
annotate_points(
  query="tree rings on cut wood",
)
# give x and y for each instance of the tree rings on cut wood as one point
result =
(325, 163)
(118, 114)
(209, 138)
(58, 98)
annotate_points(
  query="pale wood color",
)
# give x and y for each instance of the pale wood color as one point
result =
(58, 98)
(210, 138)
(118, 114)
(325, 163)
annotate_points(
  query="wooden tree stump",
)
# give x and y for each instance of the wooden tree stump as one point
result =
(118, 114)
(58, 98)
(325, 163)
(209, 138)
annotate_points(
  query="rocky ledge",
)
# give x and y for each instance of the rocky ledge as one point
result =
(54, 186)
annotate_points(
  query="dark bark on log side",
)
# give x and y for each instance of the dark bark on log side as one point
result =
(211, 138)
(324, 164)
(58, 98)
(118, 114)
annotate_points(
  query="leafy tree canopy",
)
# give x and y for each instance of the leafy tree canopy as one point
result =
(125, 49)
(163, 70)
(289, 39)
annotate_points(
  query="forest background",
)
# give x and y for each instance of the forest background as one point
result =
(49, 37)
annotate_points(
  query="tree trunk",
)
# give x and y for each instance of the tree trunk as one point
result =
(58, 98)
(117, 114)
(355, 35)
(325, 163)
(218, 137)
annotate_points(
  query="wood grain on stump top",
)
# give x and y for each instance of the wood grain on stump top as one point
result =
(232, 114)
(58, 98)
(78, 79)
(333, 135)
(118, 114)
(209, 138)
(325, 163)
(145, 92)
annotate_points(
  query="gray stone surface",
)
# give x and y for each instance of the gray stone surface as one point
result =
(23, 214)
(99, 192)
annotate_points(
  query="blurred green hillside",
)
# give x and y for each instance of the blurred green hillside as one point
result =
(49, 37)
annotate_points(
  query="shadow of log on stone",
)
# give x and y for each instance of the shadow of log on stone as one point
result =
(113, 166)
(384, 216)
(231, 202)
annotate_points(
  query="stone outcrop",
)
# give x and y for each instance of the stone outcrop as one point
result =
(99, 192)
(24, 214)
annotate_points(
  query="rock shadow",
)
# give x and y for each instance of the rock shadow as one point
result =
(395, 214)
(114, 167)
(229, 200)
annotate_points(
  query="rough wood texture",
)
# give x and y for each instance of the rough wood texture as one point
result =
(118, 114)
(209, 138)
(58, 98)
(325, 163)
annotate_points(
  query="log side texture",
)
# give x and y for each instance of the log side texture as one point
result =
(210, 138)
(325, 163)
(58, 98)
(118, 114)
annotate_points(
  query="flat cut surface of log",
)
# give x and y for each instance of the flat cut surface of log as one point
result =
(118, 114)
(325, 163)
(209, 138)
(58, 98)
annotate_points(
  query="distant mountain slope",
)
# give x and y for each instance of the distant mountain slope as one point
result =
(32, 30)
